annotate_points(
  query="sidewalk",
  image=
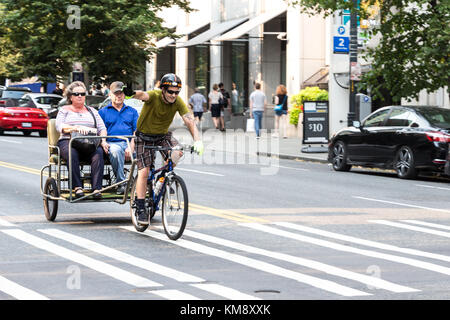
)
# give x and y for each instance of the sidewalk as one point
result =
(238, 141)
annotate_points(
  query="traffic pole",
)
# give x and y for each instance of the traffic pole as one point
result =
(353, 54)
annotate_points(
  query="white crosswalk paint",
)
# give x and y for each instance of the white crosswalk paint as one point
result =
(96, 265)
(428, 224)
(4, 223)
(17, 291)
(364, 242)
(414, 228)
(368, 280)
(340, 247)
(121, 256)
(257, 264)
(224, 291)
(173, 295)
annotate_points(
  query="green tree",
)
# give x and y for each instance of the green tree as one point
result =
(112, 38)
(413, 52)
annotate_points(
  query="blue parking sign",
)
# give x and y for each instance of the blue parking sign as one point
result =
(341, 44)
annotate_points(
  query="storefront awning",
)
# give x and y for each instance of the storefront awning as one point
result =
(249, 25)
(164, 42)
(212, 32)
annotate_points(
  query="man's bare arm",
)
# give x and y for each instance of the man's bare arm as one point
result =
(141, 95)
(189, 121)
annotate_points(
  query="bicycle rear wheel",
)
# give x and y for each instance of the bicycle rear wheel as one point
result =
(175, 207)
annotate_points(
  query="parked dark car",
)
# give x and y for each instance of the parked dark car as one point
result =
(407, 139)
(9, 96)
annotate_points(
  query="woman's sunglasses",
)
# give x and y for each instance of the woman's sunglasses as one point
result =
(173, 92)
(77, 94)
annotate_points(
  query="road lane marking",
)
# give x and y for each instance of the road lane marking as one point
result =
(414, 228)
(19, 168)
(4, 223)
(402, 204)
(428, 224)
(345, 248)
(201, 172)
(225, 292)
(256, 264)
(226, 214)
(364, 242)
(432, 187)
(368, 280)
(173, 295)
(11, 141)
(17, 291)
(121, 256)
(79, 258)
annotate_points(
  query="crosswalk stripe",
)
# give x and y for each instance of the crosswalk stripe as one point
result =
(340, 247)
(364, 242)
(4, 223)
(17, 291)
(371, 281)
(222, 291)
(257, 264)
(173, 295)
(121, 256)
(427, 224)
(414, 228)
(96, 265)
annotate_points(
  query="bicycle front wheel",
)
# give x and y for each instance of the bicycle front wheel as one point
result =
(175, 207)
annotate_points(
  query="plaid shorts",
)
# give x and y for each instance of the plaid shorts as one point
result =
(145, 157)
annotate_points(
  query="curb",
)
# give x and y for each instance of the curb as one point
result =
(292, 157)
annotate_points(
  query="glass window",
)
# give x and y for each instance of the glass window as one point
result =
(376, 119)
(239, 92)
(202, 69)
(399, 118)
(49, 100)
(13, 94)
(437, 117)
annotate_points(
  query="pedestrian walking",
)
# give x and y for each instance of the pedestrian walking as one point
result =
(214, 102)
(197, 102)
(120, 120)
(281, 107)
(225, 103)
(258, 104)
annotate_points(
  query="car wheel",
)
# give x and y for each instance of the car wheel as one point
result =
(26, 133)
(43, 133)
(404, 163)
(340, 157)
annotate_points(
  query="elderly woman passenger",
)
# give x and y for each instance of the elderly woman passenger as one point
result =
(76, 117)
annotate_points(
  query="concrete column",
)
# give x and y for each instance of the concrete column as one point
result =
(181, 67)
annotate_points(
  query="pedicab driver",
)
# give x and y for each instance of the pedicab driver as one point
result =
(160, 107)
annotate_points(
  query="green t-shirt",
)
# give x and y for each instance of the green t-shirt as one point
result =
(156, 115)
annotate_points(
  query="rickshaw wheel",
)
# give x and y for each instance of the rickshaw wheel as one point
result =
(50, 206)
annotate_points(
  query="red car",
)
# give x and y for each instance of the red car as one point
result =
(23, 119)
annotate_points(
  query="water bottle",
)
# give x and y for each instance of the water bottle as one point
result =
(159, 185)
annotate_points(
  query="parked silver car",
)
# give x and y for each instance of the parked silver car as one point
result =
(44, 101)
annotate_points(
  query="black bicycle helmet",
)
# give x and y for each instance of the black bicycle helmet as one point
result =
(170, 80)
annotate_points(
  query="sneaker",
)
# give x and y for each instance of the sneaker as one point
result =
(142, 216)
(120, 190)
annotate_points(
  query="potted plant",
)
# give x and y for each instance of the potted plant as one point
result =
(307, 94)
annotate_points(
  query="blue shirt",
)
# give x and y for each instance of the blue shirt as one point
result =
(119, 123)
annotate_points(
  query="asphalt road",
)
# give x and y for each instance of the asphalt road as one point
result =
(259, 228)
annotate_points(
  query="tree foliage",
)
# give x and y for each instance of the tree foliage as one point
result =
(113, 40)
(413, 52)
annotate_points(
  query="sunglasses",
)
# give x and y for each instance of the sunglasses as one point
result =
(173, 92)
(78, 94)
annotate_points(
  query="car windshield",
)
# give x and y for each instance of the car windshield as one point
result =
(48, 100)
(437, 117)
(13, 94)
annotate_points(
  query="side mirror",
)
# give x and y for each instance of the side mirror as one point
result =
(357, 124)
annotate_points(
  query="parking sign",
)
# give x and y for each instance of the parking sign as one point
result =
(341, 44)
